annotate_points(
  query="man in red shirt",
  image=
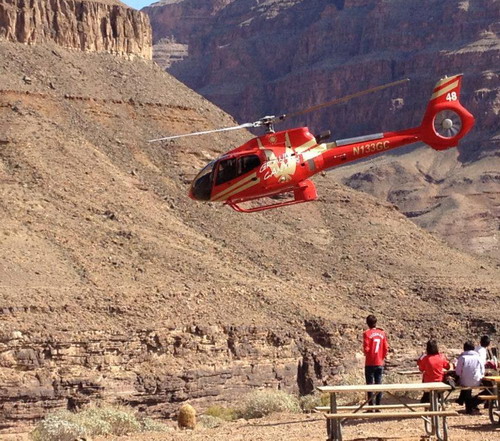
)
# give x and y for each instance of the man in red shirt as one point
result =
(375, 348)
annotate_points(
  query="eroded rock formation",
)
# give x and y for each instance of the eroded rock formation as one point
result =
(150, 370)
(255, 58)
(89, 25)
(117, 287)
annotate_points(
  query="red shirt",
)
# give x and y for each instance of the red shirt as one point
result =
(433, 367)
(375, 346)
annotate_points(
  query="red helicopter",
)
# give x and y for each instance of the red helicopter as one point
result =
(279, 163)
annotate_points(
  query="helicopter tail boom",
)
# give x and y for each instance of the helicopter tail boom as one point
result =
(445, 121)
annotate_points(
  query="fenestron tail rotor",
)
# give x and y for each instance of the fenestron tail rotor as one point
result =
(447, 123)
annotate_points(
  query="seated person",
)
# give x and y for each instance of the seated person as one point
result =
(433, 365)
(482, 349)
(471, 371)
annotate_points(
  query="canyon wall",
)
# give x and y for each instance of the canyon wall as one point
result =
(117, 287)
(273, 57)
(94, 25)
(152, 371)
(258, 58)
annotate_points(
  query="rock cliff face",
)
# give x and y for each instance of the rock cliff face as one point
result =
(272, 57)
(92, 25)
(117, 287)
(151, 370)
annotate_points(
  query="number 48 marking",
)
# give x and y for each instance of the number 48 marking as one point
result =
(452, 96)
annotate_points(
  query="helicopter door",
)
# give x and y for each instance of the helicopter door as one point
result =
(232, 168)
(227, 170)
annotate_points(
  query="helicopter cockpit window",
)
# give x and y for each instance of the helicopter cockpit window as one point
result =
(232, 168)
(227, 170)
(202, 184)
(248, 163)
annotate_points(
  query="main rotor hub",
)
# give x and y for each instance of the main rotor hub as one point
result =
(268, 122)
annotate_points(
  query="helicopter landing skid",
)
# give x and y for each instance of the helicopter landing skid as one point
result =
(305, 192)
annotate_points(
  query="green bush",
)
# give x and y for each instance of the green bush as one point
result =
(264, 402)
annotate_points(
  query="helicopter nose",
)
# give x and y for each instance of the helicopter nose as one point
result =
(201, 189)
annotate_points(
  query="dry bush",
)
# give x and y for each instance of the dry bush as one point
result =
(264, 402)
(59, 426)
(357, 376)
(223, 413)
(391, 377)
(93, 421)
(350, 377)
(309, 402)
(210, 421)
(150, 425)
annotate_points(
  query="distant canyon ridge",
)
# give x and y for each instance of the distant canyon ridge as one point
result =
(255, 58)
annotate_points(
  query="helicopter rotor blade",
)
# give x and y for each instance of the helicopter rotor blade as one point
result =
(343, 99)
(225, 129)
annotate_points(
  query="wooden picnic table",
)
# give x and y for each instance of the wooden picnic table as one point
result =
(494, 406)
(434, 414)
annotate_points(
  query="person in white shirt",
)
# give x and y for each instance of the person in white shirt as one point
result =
(470, 369)
(482, 349)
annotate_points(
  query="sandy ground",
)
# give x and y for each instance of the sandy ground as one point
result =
(312, 427)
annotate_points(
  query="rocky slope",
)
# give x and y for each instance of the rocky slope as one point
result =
(115, 286)
(265, 57)
(90, 25)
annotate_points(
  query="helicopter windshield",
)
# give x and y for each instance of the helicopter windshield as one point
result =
(202, 184)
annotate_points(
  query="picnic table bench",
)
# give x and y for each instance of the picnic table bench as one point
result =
(434, 413)
(494, 399)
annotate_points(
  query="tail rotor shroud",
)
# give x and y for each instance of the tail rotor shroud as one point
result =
(447, 123)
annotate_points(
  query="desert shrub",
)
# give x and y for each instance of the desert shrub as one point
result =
(59, 426)
(150, 425)
(391, 377)
(350, 377)
(67, 426)
(210, 421)
(223, 413)
(264, 402)
(309, 402)
(357, 376)
(109, 420)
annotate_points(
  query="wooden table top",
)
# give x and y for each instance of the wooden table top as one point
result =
(399, 387)
(493, 378)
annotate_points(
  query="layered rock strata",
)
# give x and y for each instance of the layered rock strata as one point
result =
(274, 57)
(92, 26)
(151, 370)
